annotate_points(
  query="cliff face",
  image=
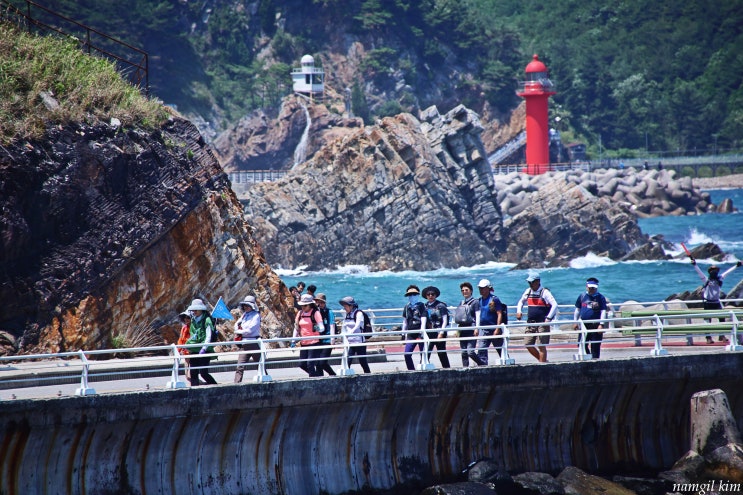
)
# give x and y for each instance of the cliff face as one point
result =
(409, 194)
(401, 195)
(261, 141)
(103, 228)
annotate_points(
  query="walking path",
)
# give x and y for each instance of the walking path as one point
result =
(734, 181)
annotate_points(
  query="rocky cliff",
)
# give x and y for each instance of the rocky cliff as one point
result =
(410, 194)
(263, 141)
(104, 228)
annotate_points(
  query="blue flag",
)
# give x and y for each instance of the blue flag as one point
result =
(221, 311)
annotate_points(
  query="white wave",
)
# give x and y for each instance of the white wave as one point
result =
(291, 272)
(696, 237)
(591, 260)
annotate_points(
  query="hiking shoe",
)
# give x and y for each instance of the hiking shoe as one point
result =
(710, 341)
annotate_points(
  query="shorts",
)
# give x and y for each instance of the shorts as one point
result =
(532, 339)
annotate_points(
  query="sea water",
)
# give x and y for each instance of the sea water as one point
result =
(619, 281)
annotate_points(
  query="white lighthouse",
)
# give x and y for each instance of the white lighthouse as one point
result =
(308, 79)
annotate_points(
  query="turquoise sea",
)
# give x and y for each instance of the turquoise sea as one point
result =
(634, 280)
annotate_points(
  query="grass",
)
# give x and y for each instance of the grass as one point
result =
(87, 88)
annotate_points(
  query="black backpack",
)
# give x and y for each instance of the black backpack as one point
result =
(367, 328)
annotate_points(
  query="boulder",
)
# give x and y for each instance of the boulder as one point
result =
(538, 484)
(726, 206)
(579, 482)
(463, 488)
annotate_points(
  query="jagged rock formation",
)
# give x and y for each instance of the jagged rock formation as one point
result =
(410, 194)
(103, 227)
(565, 221)
(261, 141)
(384, 195)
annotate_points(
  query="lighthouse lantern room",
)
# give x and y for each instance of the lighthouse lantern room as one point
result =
(536, 90)
(308, 80)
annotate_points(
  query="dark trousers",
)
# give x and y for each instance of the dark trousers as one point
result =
(440, 349)
(486, 341)
(324, 365)
(244, 358)
(410, 346)
(468, 347)
(593, 340)
(199, 366)
(309, 359)
(359, 351)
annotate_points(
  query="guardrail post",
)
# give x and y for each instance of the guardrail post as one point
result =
(175, 382)
(504, 358)
(734, 345)
(425, 364)
(262, 376)
(84, 389)
(582, 356)
(346, 369)
(658, 348)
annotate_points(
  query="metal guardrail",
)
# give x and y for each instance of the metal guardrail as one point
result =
(17, 372)
(135, 67)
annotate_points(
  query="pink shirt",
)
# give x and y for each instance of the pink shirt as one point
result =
(306, 325)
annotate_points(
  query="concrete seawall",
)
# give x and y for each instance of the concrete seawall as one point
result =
(383, 433)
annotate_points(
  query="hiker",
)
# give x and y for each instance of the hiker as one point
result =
(589, 307)
(542, 309)
(185, 319)
(247, 333)
(492, 312)
(414, 316)
(308, 323)
(711, 290)
(438, 315)
(328, 322)
(353, 324)
(202, 331)
(465, 316)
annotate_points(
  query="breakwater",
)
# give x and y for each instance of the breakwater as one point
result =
(379, 433)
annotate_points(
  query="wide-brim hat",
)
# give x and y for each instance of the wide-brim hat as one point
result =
(306, 299)
(433, 289)
(348, 300)
(197, 305)
(321, 297)
(412, 291)
(185, 314)
(249, 301)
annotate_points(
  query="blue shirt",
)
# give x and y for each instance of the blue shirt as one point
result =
(486, 316)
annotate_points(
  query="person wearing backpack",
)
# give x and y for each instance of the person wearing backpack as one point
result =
(589, 307)
(353, 325)
(414, 317)
(465, 318)
(542, 308)
(328, 323)
(308, 323)
(492, 312)
(438, 315)
(202, 331)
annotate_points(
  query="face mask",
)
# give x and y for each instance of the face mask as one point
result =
(413, 299)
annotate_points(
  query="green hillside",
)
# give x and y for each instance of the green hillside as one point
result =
(45, 79)
(661, 75)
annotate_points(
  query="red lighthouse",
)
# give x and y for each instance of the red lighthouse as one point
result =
(536, 91)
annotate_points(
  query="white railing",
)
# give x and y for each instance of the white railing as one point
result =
(387, 341)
